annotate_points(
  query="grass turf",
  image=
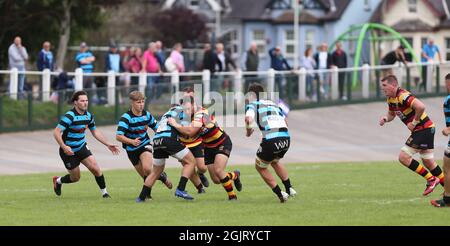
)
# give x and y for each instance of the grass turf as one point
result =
(377, 193)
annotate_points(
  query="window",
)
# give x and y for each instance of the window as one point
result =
(259, 36)
(410, 41)
(423, 42)
(412, 6)
(309, 39)
(289, 43)
(367, 5)
(447, 49)
(194, 4)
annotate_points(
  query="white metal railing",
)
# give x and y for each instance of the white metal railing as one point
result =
(238, 77)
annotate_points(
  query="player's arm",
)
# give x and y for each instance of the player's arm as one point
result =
(189, 130)
(249, 120)
(387, 118)
(57, 134)
(121, 138)
(102, 139)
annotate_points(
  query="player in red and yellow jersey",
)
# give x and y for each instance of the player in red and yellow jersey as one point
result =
(217, 146)
(411, 112)
(195, 145)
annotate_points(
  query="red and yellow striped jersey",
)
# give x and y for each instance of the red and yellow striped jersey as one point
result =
(211, 133)
(401, 105)
(196, 140)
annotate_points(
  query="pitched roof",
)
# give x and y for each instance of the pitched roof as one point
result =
(412, 26)
(258, 10)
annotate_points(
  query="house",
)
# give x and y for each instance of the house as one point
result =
(270, 22)
(420, 20)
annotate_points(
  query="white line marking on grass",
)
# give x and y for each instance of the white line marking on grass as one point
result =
(24, 190)
(379, 202)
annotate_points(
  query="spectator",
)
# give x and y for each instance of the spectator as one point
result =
(392, 57)
(429, 50)
(278, 63)
(223, 63)
(177, 58)
(85, 60)
(45, 58)
(160, 54)
(308, 62)
(135, 64)
(150, 65)
(251, 59)
(18, 55)
(113, 62)
(339, 60)
(210, 59)
(322, 58)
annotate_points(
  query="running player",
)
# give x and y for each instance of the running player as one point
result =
(445, 201)
(275, 139)
(165, 144)
(217, 145)
(132, 133)
(411, 112)
(71, 137)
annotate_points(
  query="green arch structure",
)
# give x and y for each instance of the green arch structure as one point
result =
(371, 28)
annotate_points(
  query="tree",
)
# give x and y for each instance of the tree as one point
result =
(54, 20)
(179, 24)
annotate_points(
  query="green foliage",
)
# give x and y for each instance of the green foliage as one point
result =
(365, 193)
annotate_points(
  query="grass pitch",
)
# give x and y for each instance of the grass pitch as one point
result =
(376, 193)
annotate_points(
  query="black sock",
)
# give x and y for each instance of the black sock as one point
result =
(277, 191)
(144, 178)
(287, 184)
(199, 187)
(66, 179)
(145, 192)
(100, 181)
(447, 199)
(182, 183)
(163, 177)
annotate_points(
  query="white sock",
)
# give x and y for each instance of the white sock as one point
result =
(104, 191)
(58, 180)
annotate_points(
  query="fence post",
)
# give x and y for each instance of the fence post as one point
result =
(1, 113)
(238, 86)
(429, 78)
(13, 81)
(46, 85)
(111, 87)
(271, 83)
(408, 78)
(206, 79)
(142, 81)
(397, 71)
(78, 79)
(365, 80)
(438, 77)
(334, 83)
(302, 84)
(175, 81)
(30, 109)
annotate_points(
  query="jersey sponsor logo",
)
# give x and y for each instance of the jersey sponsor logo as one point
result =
(400, 114)
(282, 144)
(158, 141)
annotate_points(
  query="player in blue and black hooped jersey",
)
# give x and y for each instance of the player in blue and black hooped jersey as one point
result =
(132, 133)
(270, 119)
(71, 137)
(166, 143)
(445, 201)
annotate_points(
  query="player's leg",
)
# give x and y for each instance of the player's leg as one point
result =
(226, 179)
(427, 157)
(282, 173)
(445, 201)
(405, 157)
(146, 160)
(188, 162)
(261, 167)
(94, 168)
(72, 177)
(158, 168)
(200, 164)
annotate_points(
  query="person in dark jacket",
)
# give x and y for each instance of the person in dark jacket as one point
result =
(45, 58)
(323, 61)
(339, 60)
(278, 63)
(251, 64)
